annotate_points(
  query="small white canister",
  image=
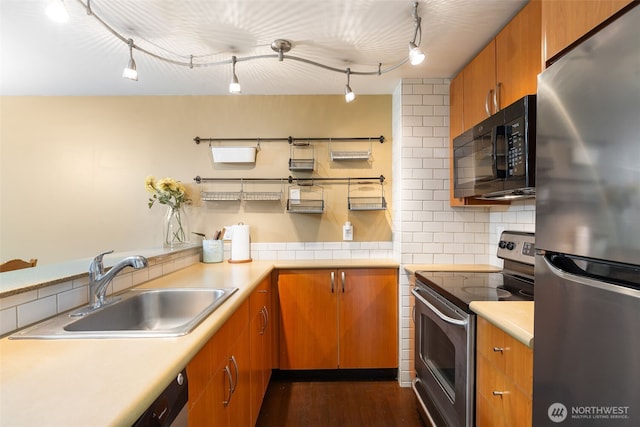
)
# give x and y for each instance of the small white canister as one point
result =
(212, 251)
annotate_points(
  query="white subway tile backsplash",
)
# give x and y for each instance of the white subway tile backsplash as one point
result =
(73, 298)
(54, 289)
(37, 310)
(8, 320)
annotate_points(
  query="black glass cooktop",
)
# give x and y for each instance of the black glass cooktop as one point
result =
(462, 288)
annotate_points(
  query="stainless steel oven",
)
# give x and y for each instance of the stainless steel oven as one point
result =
(445, 344)
(445, 328)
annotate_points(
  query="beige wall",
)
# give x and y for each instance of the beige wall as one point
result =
(72, 168)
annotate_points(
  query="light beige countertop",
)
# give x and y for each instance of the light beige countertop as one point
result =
(412, 268)
(104, 382)
(513, 317)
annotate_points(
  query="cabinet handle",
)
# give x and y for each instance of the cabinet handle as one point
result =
(487, 108)
(266, 317)
(228, 400)
(263, 313)
(261, 331)
(235, 365)
(333, 280)
(499, 393)
(496, 98)
(498, 349)
(342, 276)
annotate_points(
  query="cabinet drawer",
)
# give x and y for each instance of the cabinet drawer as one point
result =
(499, 400)
(506, 353)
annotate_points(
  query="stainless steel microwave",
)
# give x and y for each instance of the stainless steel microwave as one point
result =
(495, 159)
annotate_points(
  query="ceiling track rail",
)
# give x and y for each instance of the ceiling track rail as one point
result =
(298, 181)
(291, 140)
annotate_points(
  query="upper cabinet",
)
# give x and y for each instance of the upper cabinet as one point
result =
(564, 22)
(506, 69)
(503, 72)
(518, 56)
(479, 87)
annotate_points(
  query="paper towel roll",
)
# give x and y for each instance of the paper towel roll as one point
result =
(240, 244)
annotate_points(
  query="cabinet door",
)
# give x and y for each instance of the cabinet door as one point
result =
(368, 316)
(212, 373)
(260, 342)
(479, 86)
(308, 319)
(518, 55)
(566, 21)
(504, 374)
(240, 362)
(456, 126)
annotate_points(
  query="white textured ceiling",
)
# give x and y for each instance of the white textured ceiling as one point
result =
(81, 57)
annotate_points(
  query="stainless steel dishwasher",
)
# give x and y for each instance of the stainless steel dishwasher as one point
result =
(170, 408)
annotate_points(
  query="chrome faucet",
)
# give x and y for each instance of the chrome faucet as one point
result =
(99, 280)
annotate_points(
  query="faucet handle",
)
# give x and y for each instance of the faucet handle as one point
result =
(96, 264)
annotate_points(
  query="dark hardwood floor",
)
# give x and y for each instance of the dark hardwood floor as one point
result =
(291, 403)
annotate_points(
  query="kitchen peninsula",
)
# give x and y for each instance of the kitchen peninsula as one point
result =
(112, 381)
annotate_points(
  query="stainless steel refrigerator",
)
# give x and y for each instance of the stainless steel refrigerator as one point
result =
(587, 272)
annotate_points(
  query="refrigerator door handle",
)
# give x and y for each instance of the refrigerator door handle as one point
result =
(584, 280)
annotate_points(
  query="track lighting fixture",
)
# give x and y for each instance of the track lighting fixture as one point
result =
(416, 55)
(280, 47)
(130, 71)
(349, 96)
(234, 86)
(57, 11)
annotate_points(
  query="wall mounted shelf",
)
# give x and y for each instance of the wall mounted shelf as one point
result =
(366, 196)
(339, 150)
(303, 195)
(308, 199)
(302, 157)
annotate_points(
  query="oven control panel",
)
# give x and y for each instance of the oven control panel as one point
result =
(517, 246)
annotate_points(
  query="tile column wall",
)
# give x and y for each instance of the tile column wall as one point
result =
(427, 230)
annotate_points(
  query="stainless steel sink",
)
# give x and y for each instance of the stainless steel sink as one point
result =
(139, 313)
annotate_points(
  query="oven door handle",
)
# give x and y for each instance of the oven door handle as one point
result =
(441, 315)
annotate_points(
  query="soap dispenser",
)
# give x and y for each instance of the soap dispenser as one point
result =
(347, 231)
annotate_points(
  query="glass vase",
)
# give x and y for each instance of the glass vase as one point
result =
(176, 228)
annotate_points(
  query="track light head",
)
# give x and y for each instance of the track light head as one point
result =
(57, 11)
(234, 86)
(349, 96)
(416, 55)
(130, 72)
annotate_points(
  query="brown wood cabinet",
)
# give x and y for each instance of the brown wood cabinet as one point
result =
(479, 86)
(506, 69)
(565, 22)
(219, 376)
(345, 318)
(503, 72)
(260, 332)
(504, 378)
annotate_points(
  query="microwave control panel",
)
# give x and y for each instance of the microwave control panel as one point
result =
(516, 149)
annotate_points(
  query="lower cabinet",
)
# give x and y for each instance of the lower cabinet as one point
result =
(504, 378)
(260, 335)
(219, 376)
(229, 376)
(344, 318)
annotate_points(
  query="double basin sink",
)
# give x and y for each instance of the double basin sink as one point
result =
(136, 313)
